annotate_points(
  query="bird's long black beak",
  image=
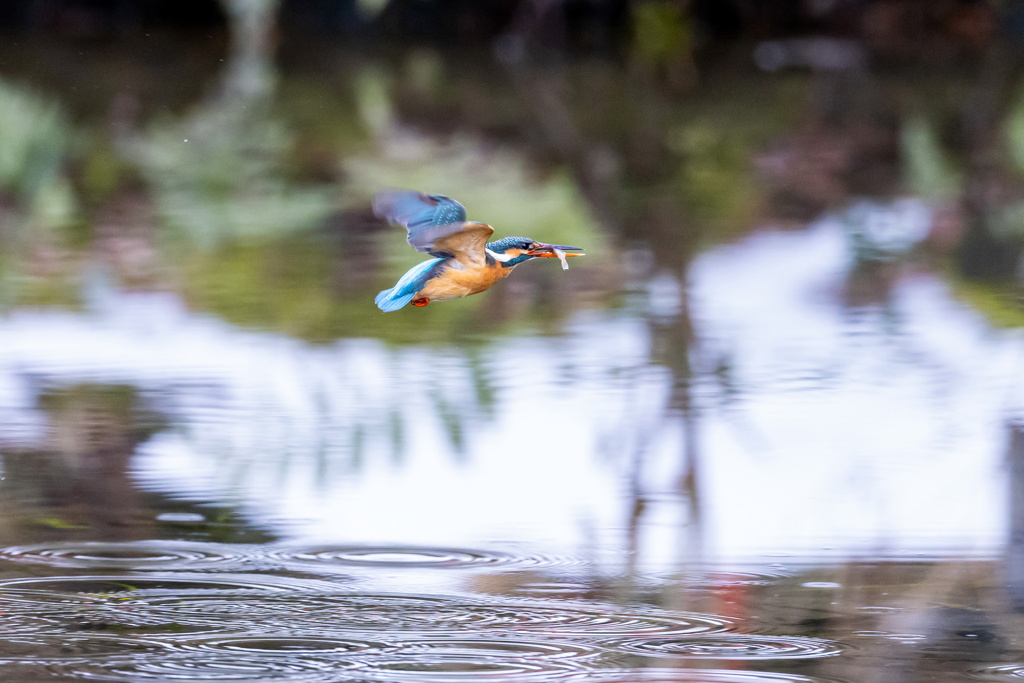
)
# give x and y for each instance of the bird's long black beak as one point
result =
(548, 250)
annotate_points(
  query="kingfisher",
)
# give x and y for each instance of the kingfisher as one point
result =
(463, 262)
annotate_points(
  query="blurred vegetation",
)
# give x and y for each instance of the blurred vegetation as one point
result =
(38, 205)
(226, 181)
(252, 196)
(928, 171)
(33, 151)
(999, 303)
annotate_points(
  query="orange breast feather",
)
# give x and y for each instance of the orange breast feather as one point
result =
(458, 282)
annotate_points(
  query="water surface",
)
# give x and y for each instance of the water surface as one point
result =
(763, 432)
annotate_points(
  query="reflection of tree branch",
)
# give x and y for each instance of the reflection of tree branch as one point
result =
(982, 254)
(681, 337)
(590, 164)
(251, 22)
(79, 477)
(218, 173)
(672, 343)
(1015, 544)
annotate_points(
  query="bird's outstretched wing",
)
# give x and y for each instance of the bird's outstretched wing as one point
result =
(436, 224)
(465, 242)
(421, 214)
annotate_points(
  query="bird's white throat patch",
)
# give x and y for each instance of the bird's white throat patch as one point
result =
(504, 258)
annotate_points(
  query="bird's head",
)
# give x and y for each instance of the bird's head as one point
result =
(511, 251)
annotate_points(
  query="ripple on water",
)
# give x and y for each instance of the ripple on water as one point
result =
(122, 602)
(34, 601)
(999, 672)
(285, 645)
(444, 668)
(35, 648)
(729, 579)
(211, 667)
(106, 620)
(98, 589)
(493, 648)
(133, 555)
(345, 612)
(552, 589)
(31, 657)
(729, 646)
(328, 558)
(688, 676)
(445, 659)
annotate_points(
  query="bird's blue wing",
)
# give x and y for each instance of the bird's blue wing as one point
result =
(405, 289)
(423, 215)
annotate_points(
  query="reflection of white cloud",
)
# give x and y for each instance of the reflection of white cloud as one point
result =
(270, 424)
(884, 436)
(887, 231)
(855, 432)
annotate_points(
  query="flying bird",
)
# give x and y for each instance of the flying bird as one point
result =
(464, 261)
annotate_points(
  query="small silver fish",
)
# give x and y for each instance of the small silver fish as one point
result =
(561, 257)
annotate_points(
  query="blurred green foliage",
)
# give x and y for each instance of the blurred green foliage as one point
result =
(261, 194)
(926, 167)
(999, 303)
(34, 147)
(716, 178)
(220, 175)
(662, 31)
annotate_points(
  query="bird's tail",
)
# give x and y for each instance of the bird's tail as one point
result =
(388, 300)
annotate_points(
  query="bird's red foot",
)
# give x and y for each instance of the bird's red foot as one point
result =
(421, 302)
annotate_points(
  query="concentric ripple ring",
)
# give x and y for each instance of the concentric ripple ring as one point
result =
(347, 612)
(120, 587)
(999, 672)
(202, 669)
(333, 557)
(728, 646)
(133, 555)
(494, 648)
(656, 675)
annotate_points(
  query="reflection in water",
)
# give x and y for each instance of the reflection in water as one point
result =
(278, 445)
(76, 477)
(350, 558)
(135, 555)
(735, 646)
(757, 430)
(324, 420)
(682, 675)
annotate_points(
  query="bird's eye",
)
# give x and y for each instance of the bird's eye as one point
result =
(527, 246)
